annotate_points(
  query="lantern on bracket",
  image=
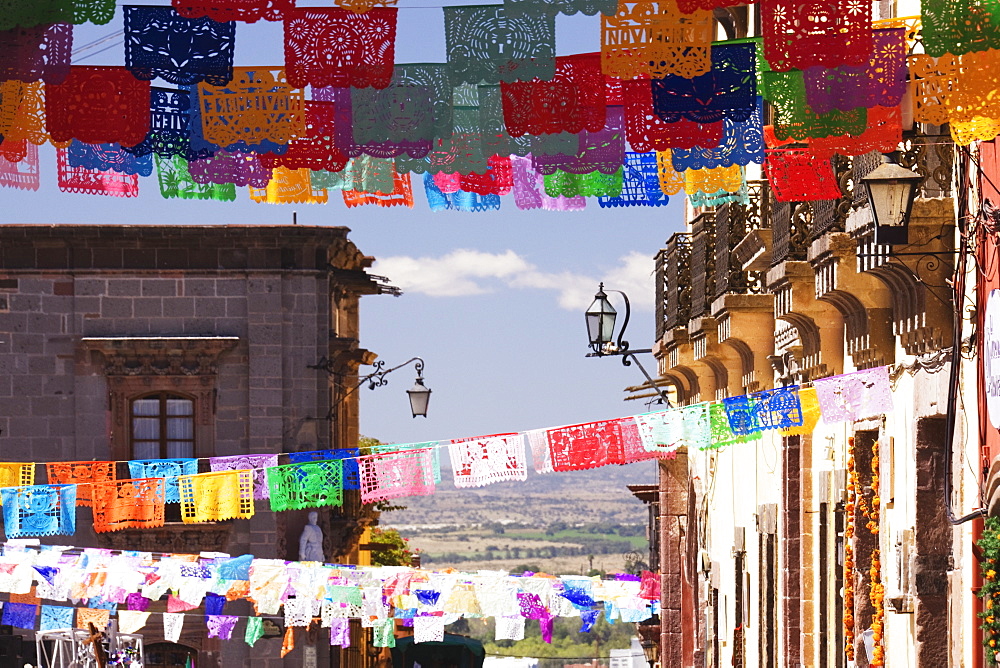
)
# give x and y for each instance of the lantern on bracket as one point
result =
(891, 189)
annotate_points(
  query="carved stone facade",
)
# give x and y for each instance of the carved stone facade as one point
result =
(225, 319)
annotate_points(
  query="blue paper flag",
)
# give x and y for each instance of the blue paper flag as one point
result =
(589, 618)
(168, 469)
(19, 615)
(56, 617)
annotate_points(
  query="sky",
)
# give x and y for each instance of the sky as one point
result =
(493, 302)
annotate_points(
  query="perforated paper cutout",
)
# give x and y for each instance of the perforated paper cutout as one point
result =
(594, 184)
(640, 183)
(591, 445)
(39, 510)
(656, 39)
(316, 149)
(306, 485)
(529, 191)
(214, 497)
(793, 118)
(247, 11)
(826, 33)
(241, 169)
(796, 175)
(602, 151)
(483, 43)
(852, 396)
(256, 463)
(396, 474)
(159, 42)
(646, 131)
(93, 182)
(81, 474)
(128, 504)
(336, 47)
(882, 82)
(728, 90)
(572, 101)
(289, 186)
(742, 143)
(37, 52)
(257, 104)
(401, 194)
(168, 469)
(98, 105)
(959, 26)
(483, 461)
(22, 174)
(107, 158)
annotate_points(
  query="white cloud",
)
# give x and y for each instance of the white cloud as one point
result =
(451, 275)
(467, 272)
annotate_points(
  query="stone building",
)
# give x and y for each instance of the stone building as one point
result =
(769, 550)
(766, 553)
(131, 342)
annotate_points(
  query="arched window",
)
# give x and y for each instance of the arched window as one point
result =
(162, 426)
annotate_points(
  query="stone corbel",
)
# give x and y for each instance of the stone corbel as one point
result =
(673, 354)
(718, 366)
(745, 324)
(864, 301)
(818, 324)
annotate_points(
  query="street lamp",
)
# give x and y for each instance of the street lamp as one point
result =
(891, 190)
(419, 394)
(601, 320)
(601, 332)
(649, 639)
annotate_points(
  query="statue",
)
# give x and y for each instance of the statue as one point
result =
(311, 540)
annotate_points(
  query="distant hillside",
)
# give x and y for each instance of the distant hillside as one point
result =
(597, 495)
(558, 522)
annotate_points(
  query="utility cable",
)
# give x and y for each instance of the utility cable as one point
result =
(954, 377)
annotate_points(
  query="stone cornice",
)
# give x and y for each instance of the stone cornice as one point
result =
(160, 356)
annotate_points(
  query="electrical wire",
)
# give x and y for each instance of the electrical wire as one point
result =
(954, 376)
(89, 55)
(100, 40)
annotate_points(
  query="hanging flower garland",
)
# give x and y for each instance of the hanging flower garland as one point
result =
(850, 512)
(877, 592)
(989, 543)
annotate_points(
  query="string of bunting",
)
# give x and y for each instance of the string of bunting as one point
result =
(318, 478)
(340, 114)
(97, 585)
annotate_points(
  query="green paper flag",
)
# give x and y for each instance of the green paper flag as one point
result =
(307, 485)
(176, 181)
(255, 629)
(383, 632)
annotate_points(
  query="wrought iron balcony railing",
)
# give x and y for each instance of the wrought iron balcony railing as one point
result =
(702, 263)
(673, 284)
(732, 223)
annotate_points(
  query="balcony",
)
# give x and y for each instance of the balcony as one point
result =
(702, 263)
(673, 284)
(742, 308)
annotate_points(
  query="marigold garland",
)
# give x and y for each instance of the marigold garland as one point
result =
(850, 514)
(876, 593)
(989, 543)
